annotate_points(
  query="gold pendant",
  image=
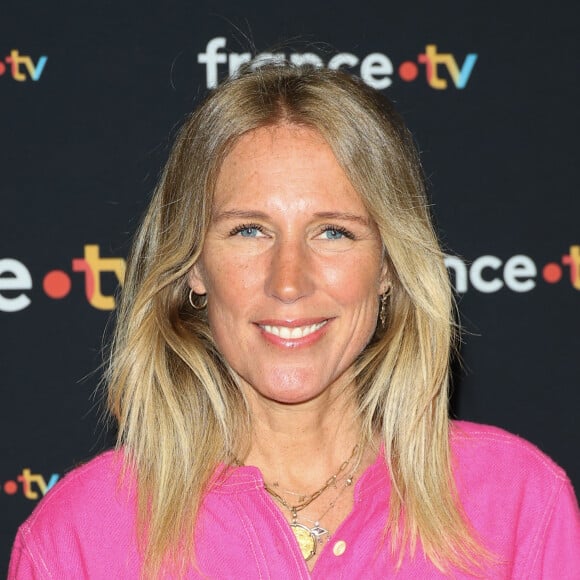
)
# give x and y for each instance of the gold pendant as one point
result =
(306, 540)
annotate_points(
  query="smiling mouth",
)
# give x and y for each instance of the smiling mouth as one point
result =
(287, 333)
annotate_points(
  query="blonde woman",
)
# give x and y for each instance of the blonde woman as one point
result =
(280, 371)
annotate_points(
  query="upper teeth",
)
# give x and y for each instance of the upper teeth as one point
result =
(297, 332)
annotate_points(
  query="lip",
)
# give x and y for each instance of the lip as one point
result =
(293, 333)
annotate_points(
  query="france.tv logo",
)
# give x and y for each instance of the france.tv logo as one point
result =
(32, 485)
(21, 67)
(440, 70)
(16, 280)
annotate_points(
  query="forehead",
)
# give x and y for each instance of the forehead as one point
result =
(283, 162)
(277, 142)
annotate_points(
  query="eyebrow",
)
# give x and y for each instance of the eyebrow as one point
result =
(239, 214)
(260, 215)
(340, 215)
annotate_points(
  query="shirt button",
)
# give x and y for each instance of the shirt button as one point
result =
(339, 548)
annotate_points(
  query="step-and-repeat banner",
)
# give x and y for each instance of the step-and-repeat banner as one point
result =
(91, 94)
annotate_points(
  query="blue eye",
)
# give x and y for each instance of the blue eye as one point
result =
(335, 233)
(247, 231)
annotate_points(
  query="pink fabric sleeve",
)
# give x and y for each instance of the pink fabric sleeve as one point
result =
(558, 554)
(22, 565)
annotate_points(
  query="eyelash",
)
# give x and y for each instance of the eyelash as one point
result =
(346, 233)
(243, 227)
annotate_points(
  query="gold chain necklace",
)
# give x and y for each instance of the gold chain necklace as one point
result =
(316, 529)
(308, 538)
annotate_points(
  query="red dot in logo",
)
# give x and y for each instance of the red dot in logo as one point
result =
(408, 71)
(2, 68)
(56, 284)
(10, 487)
(552, 273)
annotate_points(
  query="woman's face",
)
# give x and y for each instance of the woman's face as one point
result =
(292, 265)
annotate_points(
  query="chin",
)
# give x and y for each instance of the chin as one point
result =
(292, 398)
(288, 392)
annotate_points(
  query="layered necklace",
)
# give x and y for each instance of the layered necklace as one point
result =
(309, 537)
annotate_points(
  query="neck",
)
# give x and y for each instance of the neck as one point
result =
(302, 445)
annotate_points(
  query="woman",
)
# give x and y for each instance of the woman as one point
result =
(280, 371)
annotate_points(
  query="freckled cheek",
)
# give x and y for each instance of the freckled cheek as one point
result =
(230, 282)
(353, 282)
(243, 275)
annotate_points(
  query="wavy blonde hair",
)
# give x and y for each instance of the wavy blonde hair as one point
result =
(176, 402)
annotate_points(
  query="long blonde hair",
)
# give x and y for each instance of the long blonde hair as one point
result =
(176, 401)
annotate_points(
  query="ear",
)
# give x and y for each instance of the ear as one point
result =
(196, 279)
(385, 278)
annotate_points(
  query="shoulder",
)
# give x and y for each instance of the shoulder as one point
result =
(96, 483)
(84, 519)
(492, 449)
(521, 502)
(499, 463)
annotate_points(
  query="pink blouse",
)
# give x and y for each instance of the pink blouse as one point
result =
(520, 502)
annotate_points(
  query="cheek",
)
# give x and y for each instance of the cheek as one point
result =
(353, 281)
(223, 272)
(231, 286)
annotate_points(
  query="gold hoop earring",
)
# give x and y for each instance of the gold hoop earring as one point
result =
(383, 307)
(201, 302)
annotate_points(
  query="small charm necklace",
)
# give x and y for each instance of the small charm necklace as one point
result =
(308, 538)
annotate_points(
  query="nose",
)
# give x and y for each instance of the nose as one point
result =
(290, 275)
